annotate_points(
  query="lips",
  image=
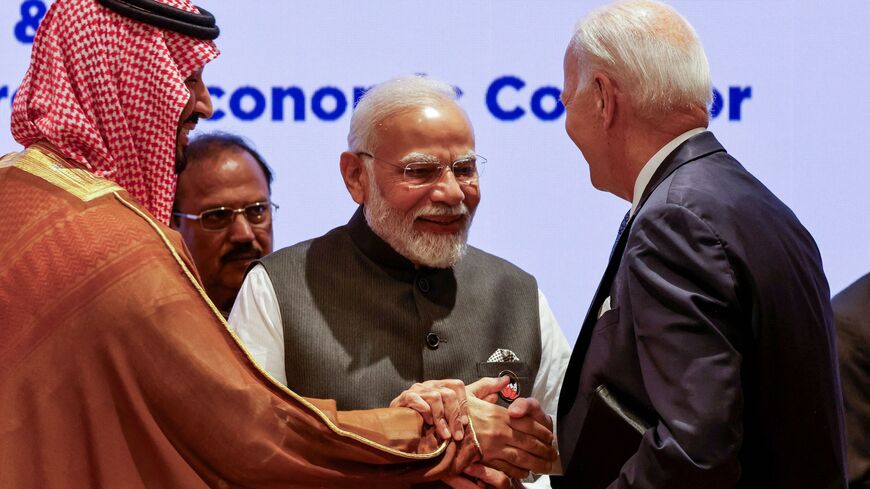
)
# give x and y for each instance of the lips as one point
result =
(183, 133)
(241, 256)
(442, 219)
(185, 128)
(441, 224)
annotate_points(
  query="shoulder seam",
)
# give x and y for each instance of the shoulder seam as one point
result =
(712, 230)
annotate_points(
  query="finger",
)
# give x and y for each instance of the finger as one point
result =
(525, 461)
(417, 403)
(488, 386)
(532, 428)
(489, 476)
(400, 399)
(530, 407)
(509, 469)
(433, 397)
(443, 429)
(455, 405)
(533, 446)
(453, 411)
(520, 407)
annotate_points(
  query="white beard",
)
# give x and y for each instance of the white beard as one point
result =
(427, 249)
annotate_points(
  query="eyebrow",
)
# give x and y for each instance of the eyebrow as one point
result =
(233, 206)
(416, 157)
(468, 155)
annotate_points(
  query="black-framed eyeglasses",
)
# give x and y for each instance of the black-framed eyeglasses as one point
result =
(219, 218)
(420, 173)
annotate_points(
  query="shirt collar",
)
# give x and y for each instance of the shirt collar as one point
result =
(649, 169)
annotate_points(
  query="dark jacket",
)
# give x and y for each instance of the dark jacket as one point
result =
(720, 331)
(852, 316)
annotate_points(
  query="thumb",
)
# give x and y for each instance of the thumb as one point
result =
(488, 386)
(519, 408)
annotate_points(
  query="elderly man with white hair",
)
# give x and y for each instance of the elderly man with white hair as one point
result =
(397, 297)
(707, 358)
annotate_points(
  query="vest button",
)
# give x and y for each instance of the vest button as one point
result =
(423, 285)
(432, 341)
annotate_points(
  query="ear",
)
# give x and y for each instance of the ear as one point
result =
(355, 176)
(605, 98)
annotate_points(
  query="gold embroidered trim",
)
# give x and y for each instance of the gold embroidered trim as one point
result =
(302, 400)
(8, 160)
(41, 163)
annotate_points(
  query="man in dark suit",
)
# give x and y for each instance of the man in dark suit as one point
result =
(852, 317)
(713, 320)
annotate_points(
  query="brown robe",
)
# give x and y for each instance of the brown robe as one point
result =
(116, 370)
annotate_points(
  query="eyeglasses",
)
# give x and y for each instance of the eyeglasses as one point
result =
(257, 214)
(420, 173)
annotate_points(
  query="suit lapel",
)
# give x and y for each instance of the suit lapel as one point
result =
(694, 148)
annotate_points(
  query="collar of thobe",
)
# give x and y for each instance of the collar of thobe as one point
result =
(649, 169)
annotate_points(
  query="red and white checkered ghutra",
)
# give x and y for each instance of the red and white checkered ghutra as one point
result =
(108, 91)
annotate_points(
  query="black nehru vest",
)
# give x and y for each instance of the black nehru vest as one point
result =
(361, 323)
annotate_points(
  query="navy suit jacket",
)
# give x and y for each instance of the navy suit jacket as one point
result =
(720, 329)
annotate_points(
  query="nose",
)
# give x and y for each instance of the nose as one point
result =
(240, 230)
(203, 101)
(447, 190)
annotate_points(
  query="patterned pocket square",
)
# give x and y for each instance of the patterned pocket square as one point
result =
(503, 355)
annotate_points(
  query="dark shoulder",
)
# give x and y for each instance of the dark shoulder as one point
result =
(718, 182)
(852, 304)
(719, 191)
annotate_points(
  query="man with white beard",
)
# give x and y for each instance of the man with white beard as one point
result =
(396, 296)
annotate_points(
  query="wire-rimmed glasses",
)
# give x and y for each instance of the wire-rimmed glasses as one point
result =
(219, 218)
(423, 172)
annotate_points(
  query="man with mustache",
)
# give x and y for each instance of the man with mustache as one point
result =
(396, 296)
(117, 371)
(223, 211)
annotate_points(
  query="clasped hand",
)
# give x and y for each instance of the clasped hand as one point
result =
(514, 441)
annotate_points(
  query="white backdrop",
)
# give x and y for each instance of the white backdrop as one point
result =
(793, 78)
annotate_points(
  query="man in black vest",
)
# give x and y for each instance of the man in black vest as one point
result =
(711, 330)
(396, 296)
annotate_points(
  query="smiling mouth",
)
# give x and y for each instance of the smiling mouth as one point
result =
(444, 220)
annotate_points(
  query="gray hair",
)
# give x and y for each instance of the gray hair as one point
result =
(650, 49)
(391, 98)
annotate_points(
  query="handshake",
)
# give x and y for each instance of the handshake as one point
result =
(513, 441)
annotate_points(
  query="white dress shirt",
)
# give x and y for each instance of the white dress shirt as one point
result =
(649, 169)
